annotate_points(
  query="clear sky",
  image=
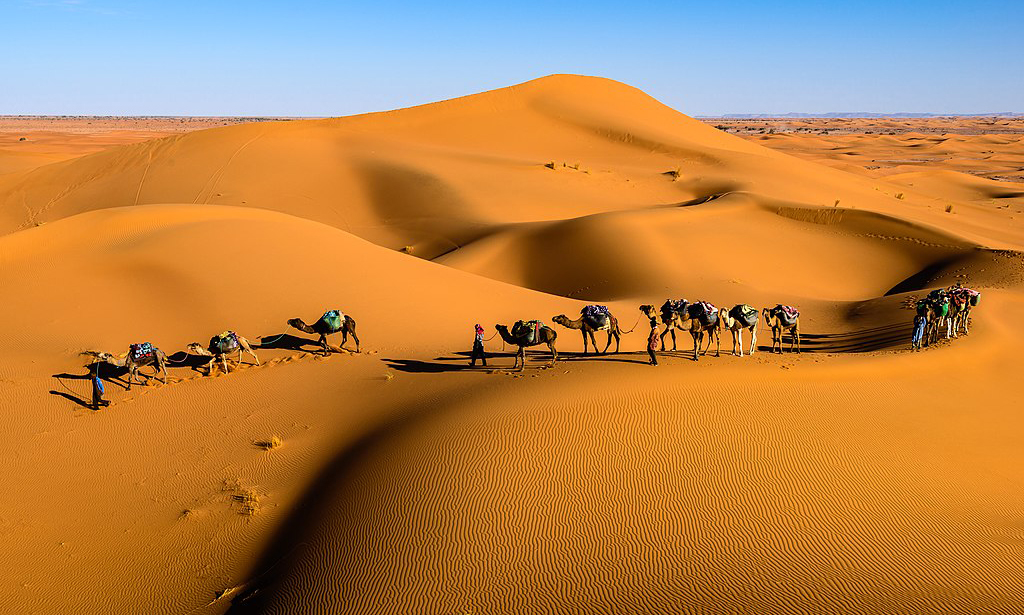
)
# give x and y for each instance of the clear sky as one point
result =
(300, 57)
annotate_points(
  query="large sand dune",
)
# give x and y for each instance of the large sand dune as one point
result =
(856, 477)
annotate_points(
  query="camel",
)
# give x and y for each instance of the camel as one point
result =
(938, 300)
(524, 334)
(672, 315)
(138, 355)
(699, 327)
(332, 321)
(219, 348)
(587, 326)
(963, 299)
(735, 321)
(779, 321)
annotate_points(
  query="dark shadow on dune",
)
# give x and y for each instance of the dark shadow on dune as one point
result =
(413, 366)
(287, 341)
(68, 396)
(185, 359)
(923, 278)
(330, 485)
(864, 340)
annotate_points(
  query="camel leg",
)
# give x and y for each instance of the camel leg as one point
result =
(667, 330)
(323, 344)
(753, 340)
(583, 332)
(609, 344)
(355, 337)
(224, 363)
(522, 358)
(554, 353)
(696, 344)
(618, 338)
(248, 348)
(796, 338)
(735, 335)
(131, 376)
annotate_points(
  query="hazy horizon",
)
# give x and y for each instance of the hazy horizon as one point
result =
(317, 59)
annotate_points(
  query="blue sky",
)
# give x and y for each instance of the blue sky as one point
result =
(131, 57)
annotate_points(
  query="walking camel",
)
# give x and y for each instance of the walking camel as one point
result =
(138, 355)
(672, 315)
(331, 322)
(525, 334)
(737, 319)
(219, 348)
(691, 317)
(783, 318)
(592, 320)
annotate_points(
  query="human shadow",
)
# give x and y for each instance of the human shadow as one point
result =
(72, 398)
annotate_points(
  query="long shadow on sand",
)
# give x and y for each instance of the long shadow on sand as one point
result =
(287, 341)
(863, 340)
(460, 362)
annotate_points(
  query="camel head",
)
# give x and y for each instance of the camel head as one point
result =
(198, 349)
(647, 310)
(561, 319)
(506, 334)
(103, 357)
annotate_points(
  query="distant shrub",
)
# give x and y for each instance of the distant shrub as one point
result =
(949, 209)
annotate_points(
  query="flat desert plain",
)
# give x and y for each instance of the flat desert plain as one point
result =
(854, 477)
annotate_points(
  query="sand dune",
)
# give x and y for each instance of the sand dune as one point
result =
(855, 477)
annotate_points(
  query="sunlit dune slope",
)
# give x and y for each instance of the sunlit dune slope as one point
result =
(435, 178)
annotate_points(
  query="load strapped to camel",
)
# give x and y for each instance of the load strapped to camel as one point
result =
(140, 351)
(597, 316)
(528, 329)
(672, 307)
(744, 314)
(786, 314)
(224, 343)
(706, 313)
(334, 320)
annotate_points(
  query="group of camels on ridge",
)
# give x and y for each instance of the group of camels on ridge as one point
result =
(944, 310)
(700, 319)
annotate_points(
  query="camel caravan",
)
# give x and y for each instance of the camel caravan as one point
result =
(945, 313)
(701, 319)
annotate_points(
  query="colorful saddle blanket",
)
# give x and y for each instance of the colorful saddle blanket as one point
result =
(224, 343)
(706, 313)
(141, 351)
(787, 314)
(334, 320)
(744, 314)
(597, 316)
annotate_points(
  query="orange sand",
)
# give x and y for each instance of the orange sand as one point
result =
(856, 477)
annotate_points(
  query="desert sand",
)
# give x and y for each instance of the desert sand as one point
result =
(854, 477)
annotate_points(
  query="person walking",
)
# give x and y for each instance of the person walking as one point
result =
(652, 342)
(478, 348)
(920, 324)
(97, 387)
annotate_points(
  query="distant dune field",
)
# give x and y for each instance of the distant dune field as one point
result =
(854, 477)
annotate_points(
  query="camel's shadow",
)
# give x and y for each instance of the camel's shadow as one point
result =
(287, 341)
